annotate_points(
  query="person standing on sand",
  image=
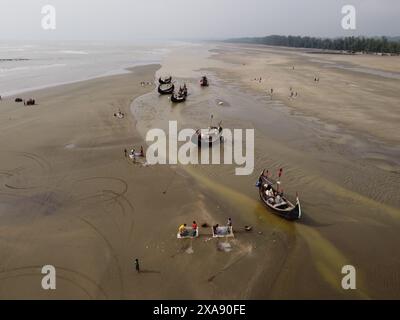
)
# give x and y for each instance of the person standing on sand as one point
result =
(126, 153)
(215, 229)
(137, 266)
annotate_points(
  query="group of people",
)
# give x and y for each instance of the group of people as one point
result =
(228, 228)
(183, 91)
(29, 102)
(185, 231)
(133, 154)
(275, 198)
(119, 114)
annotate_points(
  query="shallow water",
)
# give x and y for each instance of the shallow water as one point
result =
(50, 64)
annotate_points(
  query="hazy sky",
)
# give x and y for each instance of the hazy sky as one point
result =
(124, 20)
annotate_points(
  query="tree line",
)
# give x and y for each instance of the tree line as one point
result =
(349, 44)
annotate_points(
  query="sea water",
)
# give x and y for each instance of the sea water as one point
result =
(29, 66)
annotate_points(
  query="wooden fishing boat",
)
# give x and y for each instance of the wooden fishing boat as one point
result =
(167, 88)
(166, 80)
(281, 206)
(204, 82)
(212, 135)
(178, 97)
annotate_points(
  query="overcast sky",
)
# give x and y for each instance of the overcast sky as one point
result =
(130, 20)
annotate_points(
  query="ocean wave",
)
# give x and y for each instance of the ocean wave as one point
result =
(73, 52)
(31, 68)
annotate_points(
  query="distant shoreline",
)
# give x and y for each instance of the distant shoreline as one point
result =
(342, 45)
(14, 59)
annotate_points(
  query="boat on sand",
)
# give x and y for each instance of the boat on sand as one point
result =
(165, 80)
(166, 88)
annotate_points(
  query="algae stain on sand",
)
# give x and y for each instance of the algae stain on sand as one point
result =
(328, 259)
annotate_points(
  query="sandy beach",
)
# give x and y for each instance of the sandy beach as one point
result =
(69, 197)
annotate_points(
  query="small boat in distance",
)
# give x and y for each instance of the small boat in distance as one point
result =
(204, 82)
(273, 198)
(167, 88)
(30, 102)
(165, 80)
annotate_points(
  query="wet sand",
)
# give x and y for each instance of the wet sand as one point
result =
(345, 169)
(68, 197)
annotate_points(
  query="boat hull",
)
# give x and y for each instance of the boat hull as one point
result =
(166, 89)
(176, 99)
(165, 80)
(292, 213)
(204, 82)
